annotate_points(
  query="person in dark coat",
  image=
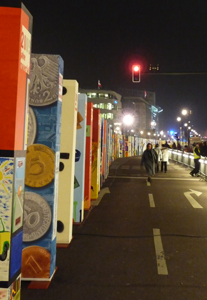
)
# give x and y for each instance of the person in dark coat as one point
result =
(149, 160)
(204, 152)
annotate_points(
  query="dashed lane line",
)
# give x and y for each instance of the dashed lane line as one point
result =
(151, 200)
(148, 183)
(160, 256)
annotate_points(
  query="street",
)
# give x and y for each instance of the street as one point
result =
(142, 241)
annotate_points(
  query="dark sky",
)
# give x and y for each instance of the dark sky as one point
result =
(101, 39)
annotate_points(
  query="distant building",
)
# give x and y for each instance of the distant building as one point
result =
(109, 102)
(144, 104)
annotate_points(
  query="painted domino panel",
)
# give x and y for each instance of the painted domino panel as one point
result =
(88, 156)
(99, 155)
(15, 53)
(42, 168)
(132, 145)
(6, 191)
(67, 162)
(13, 291)
(129, 145)
(95, 173)
(104, 150)
(78, 203)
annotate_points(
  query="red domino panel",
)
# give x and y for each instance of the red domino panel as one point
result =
(13, 79)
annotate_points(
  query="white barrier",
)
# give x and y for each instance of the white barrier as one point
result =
(187, 159)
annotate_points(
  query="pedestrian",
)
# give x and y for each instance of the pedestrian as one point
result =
(149, 160)
(165, 159)
(159, 157)
(204, 149)
(179, 146)
(197, 156)
(166, 145)
(174, 146)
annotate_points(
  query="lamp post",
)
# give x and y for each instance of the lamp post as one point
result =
(185, 134)
(181, 129)
(128, 120)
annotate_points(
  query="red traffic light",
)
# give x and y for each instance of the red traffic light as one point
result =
(136, 68)
(136, 73)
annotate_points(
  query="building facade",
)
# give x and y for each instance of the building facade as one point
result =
(109, 102)
(143, 103)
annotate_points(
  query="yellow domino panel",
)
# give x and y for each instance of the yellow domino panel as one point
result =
(67, 161)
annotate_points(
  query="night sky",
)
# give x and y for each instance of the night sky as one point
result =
(102, 39)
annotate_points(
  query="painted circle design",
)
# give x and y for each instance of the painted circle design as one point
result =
(40, 165)
(37, 217)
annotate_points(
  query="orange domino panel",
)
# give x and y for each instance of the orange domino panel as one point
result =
(15, 50)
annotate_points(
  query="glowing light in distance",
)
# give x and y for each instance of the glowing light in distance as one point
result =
(128, 119)
(184, 112)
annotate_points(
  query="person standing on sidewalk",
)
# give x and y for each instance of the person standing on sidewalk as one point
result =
(149, 160)
(164, 161)
(159, 157)
(197, 156)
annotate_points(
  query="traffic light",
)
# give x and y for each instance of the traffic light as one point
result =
(136, 74)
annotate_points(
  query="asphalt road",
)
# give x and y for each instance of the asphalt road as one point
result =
(140, 241)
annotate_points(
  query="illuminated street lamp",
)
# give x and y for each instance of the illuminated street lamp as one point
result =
(153, 124)
(128, 120)
(178, 119)
(184, 112)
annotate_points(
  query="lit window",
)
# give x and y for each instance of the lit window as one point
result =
(109, 116)
(101, 105)
(109, 106)
(93, 95)
(101, 95)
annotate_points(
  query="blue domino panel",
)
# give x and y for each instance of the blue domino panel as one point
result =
(16, 253)
(48, 119)
(78, 203)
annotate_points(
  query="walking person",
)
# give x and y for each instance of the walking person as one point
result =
(159, 157)
(165, 159)
(197, 156)
(149, 160)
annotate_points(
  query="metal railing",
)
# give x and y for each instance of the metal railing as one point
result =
(187, 159)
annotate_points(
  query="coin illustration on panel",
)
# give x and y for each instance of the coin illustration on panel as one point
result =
(32, 127)
(44, 76)
(37, 217)
(35, 262)
(40, 165)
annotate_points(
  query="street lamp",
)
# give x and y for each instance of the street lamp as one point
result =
(184, 112)
(128, 120)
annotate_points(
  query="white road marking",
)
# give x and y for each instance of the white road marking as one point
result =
(160, 256)
(192, 201)
(151, 200)
(148, 183)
